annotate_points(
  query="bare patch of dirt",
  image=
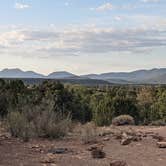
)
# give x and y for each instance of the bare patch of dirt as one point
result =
(72, 152)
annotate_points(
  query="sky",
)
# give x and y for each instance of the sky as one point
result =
(82, 36)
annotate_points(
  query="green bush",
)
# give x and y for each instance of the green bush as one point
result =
(37, 105)
(123, 120)
(3, 106)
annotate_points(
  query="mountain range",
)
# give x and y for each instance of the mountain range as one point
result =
(153, 76)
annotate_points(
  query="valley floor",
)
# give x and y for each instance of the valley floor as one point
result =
(14, 152)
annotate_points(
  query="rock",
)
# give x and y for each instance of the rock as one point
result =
(58, 150)
(92, 148)
(158, 137)
(35, 146)
(137, 138)
(127, 138)
(149, 133)
(124, 135)
(106, 139)
(125, 141)
(48, 160)
(98, 153)
(118, 136)
(5, 136)
(144, 135)
(96, 146)
(161, 144)
(118, 163)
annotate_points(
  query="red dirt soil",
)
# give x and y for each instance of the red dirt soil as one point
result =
(14, 152)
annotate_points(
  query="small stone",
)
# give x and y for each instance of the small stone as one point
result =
(118, 136)
(158, 137)
(118, 163)
(106, 139)
(35, 146)
(92, 148)
(48, 160)
(58, 150)
(125, 141)
(98, 153)
(124, 135)
(137, 138)
(161, 144)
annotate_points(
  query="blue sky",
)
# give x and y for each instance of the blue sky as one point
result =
(90, 36)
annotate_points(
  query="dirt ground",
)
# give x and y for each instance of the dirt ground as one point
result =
(14, 152)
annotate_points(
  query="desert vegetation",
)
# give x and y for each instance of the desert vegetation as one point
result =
(52, 118)
(48, 109)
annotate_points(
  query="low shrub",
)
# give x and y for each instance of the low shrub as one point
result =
(52, 125)
(123, 120)
(19, 126)
(89, 133)
(3, 106)
(44, 124)
(158, 123)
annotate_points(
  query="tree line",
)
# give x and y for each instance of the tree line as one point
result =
(146, 104)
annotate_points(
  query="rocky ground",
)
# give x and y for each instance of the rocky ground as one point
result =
(115, 146)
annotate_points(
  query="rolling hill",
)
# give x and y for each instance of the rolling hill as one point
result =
(153, 76)
(17, 73)
(61, 75)
(136, 77)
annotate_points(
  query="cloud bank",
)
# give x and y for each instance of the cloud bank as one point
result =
(103, 7)
(21, 6)
(149, 1)
(81, 41)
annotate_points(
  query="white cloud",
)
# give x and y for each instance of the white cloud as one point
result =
(8, 39)
(149, 1)
(66, 3)
(104, 7)
(81, 41)
(117, 18)
(21, 6)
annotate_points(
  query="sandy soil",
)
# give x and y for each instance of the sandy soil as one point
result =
(14, 152)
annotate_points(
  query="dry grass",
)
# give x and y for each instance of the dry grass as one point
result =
(45, 124)
(89, 133)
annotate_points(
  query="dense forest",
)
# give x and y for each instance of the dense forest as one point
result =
(52, 101)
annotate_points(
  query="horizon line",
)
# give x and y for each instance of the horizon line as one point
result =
(127, 71)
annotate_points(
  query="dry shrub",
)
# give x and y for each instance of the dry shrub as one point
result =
(158, 123)
(19, 126)
(43, 124)
(52, 125)
(89, 133)
(123, 120)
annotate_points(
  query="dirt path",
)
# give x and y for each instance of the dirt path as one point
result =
(13, 152)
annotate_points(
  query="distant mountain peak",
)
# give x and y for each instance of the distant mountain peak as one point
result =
(155, 75)
(14, 69)
(139, 76)
(61, 74)
(18, 73)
